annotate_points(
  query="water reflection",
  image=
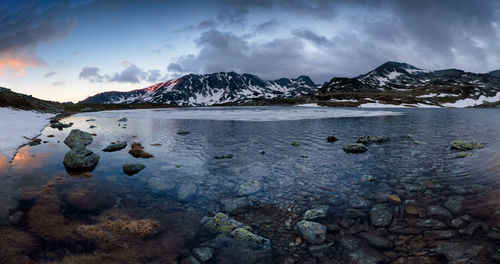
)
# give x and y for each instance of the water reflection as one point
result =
(161, 206)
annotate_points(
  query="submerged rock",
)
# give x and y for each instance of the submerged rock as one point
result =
(459, 251)
(376, 241)
(223, 224)
(80, 159)
(372, 139)
(203, 253)
(137, 150)
(234, 205)
(111, 235)
(313, 232)
(230, 250)
(245, 235)
(439, 212)
(463, 145)
(317, 212)
(183, 132)
(78, 139)
(123, 119)
(295, 144)
(131, 169)
(319, 251)
(160, 184)
(115, 147)
(90, 120)
(186, 192)
(355, 148)
(249, 187)
(454, 204)
(381, 215)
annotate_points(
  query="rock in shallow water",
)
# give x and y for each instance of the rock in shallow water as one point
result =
(203, 253)
(381, 215)
(115, 147)
(372, 139)
(131, 169)
(234, 205)
(186, 192)
(78, 139)
(80, 159)
(463, 145)
(317, 212)
(137, 150)
(249, 187)
(319, 251)
(355, 148)
(454, 204)
(375, 241)
(313, 232)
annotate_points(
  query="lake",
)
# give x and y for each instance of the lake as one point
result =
(407, 200)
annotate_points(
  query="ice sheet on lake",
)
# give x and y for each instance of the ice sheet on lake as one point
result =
(16, 126)
(242, 113)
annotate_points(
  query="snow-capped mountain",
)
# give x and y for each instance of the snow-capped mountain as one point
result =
(401, 76)
(209, 89)
(401, 83)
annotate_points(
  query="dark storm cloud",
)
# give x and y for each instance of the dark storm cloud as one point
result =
(225, 51)
(427, 33)
(131, 74)
(26, 24)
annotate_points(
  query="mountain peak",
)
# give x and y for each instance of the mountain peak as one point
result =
(395, 64)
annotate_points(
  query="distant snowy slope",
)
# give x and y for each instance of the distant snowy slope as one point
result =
(209, 89)
(16, 126)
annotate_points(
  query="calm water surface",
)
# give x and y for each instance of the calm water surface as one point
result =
(40, 201)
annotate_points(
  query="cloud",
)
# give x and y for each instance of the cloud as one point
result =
(175, 67)
(131, 74)
(50, 74)
(269, 25)
(26, 24)
(91, 74)
(311, 36)
(58, 83)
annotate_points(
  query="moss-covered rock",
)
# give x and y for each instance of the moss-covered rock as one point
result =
(313, 232)
(131, 169)
(115, 147)
(245, 235)
(295, 144)
(317, 212)
(463, 154)
(223, 224)
(249, 187)
(463, 145)
(80, 159)
(331, 139)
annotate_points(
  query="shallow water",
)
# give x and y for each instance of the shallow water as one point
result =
(183, 183)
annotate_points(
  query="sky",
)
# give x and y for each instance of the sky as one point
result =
(69, 50)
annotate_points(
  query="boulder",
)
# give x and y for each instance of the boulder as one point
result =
(245, 235)
(355, 148)
(115, 147)
(203, 253)
(80, 159)
(313, 232)
(78, 139)
(131, 169)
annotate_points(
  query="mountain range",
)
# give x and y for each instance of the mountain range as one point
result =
(210, 89)
(391, 83)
